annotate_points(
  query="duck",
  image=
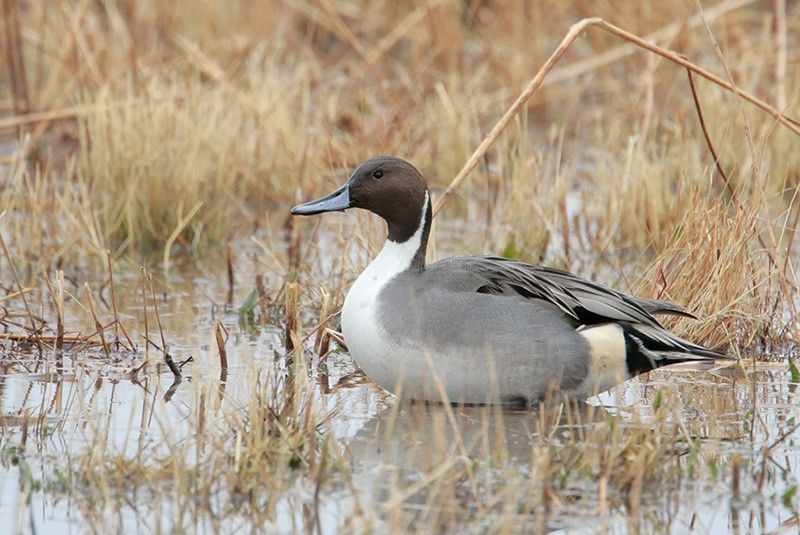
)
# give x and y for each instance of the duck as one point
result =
(485, 329)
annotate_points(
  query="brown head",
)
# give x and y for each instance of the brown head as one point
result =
(387, 186)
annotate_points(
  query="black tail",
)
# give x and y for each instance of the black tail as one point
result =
(647, 348)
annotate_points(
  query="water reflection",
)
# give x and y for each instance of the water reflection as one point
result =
(398, 450)
(422, 457)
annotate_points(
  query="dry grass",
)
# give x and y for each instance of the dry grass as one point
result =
(178, 119)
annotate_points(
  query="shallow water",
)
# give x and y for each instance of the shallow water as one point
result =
(392, 449)
(55, 410)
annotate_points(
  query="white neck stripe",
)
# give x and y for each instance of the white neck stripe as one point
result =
(397, 257)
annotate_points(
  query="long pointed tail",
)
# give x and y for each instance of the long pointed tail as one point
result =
(648, 347)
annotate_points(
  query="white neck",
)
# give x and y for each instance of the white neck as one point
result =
(361, 301)
(364, 335)
(396, 257)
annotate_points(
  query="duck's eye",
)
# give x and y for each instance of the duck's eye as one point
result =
(377, 174)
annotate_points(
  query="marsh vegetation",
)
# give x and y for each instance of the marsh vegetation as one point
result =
(170, 360)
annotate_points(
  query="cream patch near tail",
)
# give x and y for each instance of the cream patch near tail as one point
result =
(607, 355)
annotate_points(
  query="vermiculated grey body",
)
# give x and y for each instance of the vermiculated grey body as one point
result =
(481, 348)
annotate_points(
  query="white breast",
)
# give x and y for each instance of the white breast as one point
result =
(366, 339)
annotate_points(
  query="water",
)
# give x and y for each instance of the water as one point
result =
(710, 427)
(394, 449)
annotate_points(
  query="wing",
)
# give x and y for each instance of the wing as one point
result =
(591, 290)
(584, 301)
